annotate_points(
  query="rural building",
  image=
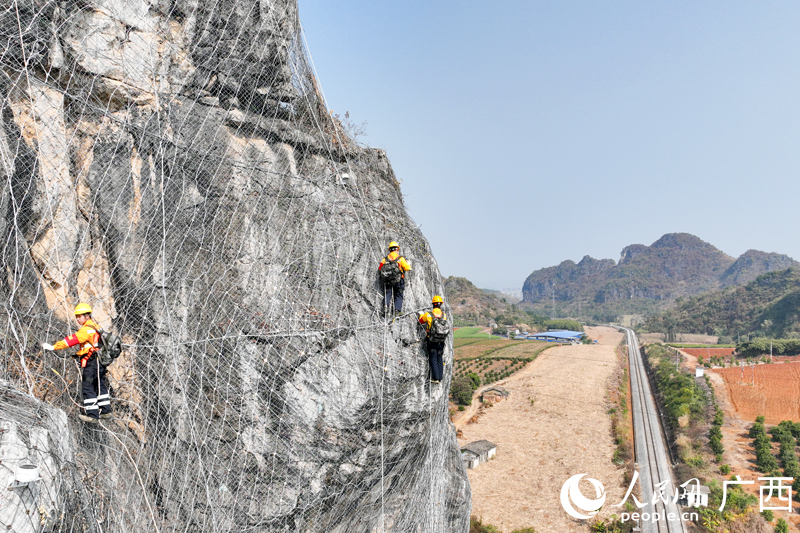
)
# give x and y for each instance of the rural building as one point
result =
(558, 336)
(698, 371)
(493, 394)
(696, 495)
(478, 452)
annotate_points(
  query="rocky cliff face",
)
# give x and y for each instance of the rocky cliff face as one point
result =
(172, 164)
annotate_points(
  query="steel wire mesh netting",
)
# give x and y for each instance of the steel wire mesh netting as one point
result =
(173, 164)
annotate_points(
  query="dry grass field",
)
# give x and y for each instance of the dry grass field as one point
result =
(554, 425)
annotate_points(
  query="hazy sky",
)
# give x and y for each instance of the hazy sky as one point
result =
(525, 133)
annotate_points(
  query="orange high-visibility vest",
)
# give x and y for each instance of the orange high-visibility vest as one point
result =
(88, 339)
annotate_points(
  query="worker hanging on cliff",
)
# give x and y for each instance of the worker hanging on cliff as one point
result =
(392, 271)
(438, 329)
(96, 400)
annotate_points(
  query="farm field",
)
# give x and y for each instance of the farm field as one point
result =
(494, 358)
(706, 352)
(775, 394)
(772, 390)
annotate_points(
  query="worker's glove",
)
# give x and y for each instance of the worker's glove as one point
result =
(48, 347)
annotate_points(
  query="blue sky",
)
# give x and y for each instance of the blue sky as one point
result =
(525, 133)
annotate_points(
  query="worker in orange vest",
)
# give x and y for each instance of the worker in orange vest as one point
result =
(392, 271)
(435, 322)
(96, 400)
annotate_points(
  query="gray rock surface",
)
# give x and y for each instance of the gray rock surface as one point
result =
(173, 165)
(34, 436)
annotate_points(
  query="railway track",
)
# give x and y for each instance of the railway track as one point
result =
(650, 450)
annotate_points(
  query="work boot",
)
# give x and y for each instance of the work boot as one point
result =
(107, 415)
(88, 419)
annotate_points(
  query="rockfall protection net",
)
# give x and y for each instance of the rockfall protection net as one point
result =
(173, 164)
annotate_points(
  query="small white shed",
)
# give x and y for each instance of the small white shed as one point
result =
(695, 496)
(478, 452)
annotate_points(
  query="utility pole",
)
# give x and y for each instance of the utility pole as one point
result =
(770, 351)
(553, 291)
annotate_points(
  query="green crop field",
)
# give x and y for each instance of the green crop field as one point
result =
(472, 333)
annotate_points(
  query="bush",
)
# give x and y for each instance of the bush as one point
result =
(756, 429)
(781, 526)
(461, 390)
(724, 470)
(716, 445)
(476, 525)
(768, 515)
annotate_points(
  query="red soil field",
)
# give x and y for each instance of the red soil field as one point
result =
(775, 394)
(705, 352)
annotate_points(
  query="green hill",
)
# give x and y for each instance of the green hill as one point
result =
(471, 306)
(769, 306)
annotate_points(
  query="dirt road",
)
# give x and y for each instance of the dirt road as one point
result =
(554, 425)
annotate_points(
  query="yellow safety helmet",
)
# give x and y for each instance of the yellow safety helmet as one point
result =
(82, 309)
(393, 244)
(437, 299)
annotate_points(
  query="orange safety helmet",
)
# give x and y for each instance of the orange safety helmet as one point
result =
(82, 309)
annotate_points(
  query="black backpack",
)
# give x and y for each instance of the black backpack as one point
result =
(110, 347)
(440, 329)
(390, 272)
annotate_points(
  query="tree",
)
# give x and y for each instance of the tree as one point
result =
(461, 390)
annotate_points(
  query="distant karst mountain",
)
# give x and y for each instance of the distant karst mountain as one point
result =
(646, 279)
(752, 264)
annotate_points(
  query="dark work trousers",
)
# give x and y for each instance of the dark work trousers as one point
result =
(395, 293)
(96, 400)
(435, 353)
